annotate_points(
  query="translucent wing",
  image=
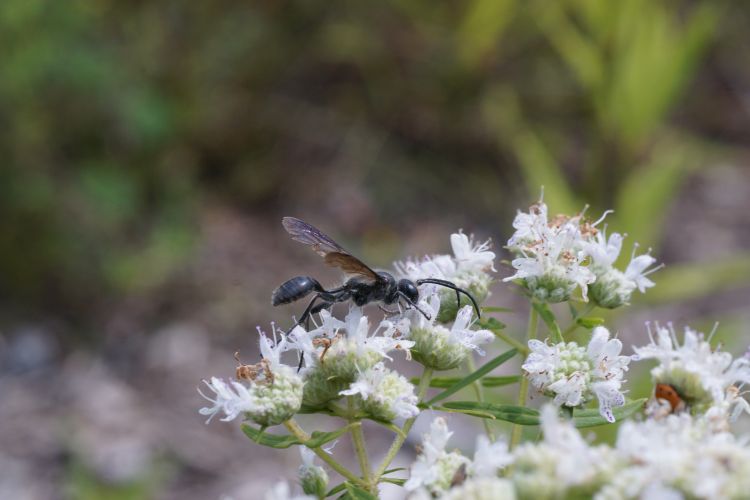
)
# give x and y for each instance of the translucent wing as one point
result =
(333, 253)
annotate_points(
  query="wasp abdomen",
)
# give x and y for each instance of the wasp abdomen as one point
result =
(294, 289)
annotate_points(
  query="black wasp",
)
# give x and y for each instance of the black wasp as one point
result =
(363, 285)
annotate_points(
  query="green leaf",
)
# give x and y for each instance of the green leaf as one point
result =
(509, 413)
(445, 382)
(589, 322)
(336, 489)
(393, 480)
(469, 379)
(318, 438)
(391, 471)
(285, 441)
(356, 493)
(591, 417)
(491, 324)
(549, 319)
(272, 440)
(493, 309)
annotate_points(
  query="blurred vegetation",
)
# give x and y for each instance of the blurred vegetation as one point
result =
(123, 120)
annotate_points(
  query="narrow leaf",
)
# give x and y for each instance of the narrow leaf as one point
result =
(591, 417)
(469, 379)
(272, 440)
(318, 438)
(445, 382)
(491, 324)
(509, 413)
(493, 309)
(549, 319)
(393, 480)
(336, 489)
(391, 471)
(589, 322)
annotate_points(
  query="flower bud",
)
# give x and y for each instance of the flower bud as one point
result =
(313, 478)
(278, 400)
(611, 289)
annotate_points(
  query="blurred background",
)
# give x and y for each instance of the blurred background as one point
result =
(149, 150)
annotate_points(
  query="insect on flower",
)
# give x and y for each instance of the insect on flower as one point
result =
(668, 393)
(363, 285)
(252, 372)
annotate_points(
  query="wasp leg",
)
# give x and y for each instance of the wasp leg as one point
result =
(389, 312)
(415, 306)
(452, 286)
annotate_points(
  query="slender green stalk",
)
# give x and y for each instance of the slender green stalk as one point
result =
(398, 441)
(523, 349)
(523, 391)
(574, 325)
(358, 440)
(300, 434)
(477, 386)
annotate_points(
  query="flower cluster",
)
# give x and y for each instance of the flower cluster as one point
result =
(468, 268)
(702, 377)
(555, 256)
(573, 374)
(436, 469)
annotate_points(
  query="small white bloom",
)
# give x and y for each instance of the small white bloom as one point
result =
(232, 399)
(573, 375)
(273, 395)
(562, 462)
(439, 347)
(384, 394)
(481, 488)
(435, 468)
(468, 268)
(613, 288)
(489, 458)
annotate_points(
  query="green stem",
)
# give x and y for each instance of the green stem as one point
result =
(358, 440)
(574, 325)
(523, 391)
(477, 386)
(300, 434)
(398, 441)
(523, 349)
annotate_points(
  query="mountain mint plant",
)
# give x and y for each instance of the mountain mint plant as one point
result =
(677, 443)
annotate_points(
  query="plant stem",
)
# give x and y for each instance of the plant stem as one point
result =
(477, 386)
(574, 325)
(523, 349)
(358, 440)
(523, 391)
(300, 434)
(398, 441)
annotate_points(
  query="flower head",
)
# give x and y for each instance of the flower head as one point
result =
(435, 468)
(573, 374)
(384, 394)
(613, 288)
(443, 348)
(703, 377)
(269, 393)
(467, 268)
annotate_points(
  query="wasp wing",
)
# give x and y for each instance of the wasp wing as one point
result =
(333, 253)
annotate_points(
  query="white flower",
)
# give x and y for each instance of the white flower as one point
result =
(563, 461)
(435, 468)
(552, 265)
(271, 394)
(702, 376)
(468, 269)
(439, 347)
(384, 394)
(613, 288)
(232, 399)
(482, 488)
(572, 374)
(281, 491)
(489, 458)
